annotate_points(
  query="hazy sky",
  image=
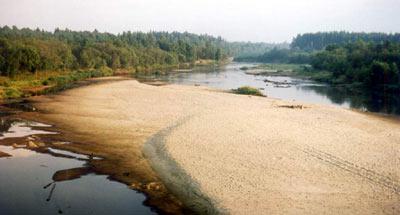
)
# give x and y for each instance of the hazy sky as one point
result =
(235, 20)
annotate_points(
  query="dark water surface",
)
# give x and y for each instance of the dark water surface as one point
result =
(230, 77)
(39, 183)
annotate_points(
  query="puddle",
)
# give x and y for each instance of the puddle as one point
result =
(39, 183)
(11, 128)
(16, 152)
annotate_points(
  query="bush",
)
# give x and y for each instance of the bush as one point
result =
(4, 82)
(246, 90)
(106, 71)
(12, 93)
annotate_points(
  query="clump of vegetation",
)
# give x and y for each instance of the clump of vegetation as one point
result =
(244, 68)
(247, 90)
(27, 84)
(11, 93)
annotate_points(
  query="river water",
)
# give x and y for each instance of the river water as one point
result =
(58, 182)
(230, 76)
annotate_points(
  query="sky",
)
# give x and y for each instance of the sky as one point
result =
(234, 20)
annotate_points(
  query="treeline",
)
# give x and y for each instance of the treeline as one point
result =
(243, 50)
(375, 65)
(320, 40)
(277, 55)
(304, 46)
(31, 50)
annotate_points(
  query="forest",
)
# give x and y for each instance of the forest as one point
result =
(369, 60)
(277, 55)
(304, 46)
(320, 40)
(357, 59)
(374, 65)
(24, 49)
(27, 50)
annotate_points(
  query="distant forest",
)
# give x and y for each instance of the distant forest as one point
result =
(304, 46)
(278, 55)
(318, 41)
(358, 59)
(249, 49)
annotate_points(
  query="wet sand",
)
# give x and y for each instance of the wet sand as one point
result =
(3, 154)
(238, 154)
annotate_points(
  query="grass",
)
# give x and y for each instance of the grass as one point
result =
(28, 84)
(247, 90)
(316, 75)
(282, 66)
(277, 69)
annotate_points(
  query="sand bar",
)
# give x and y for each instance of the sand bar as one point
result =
(244, 154)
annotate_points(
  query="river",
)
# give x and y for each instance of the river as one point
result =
(230, 76)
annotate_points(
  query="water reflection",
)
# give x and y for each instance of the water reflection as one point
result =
(43, 180)
(366, 100)
(11, 128)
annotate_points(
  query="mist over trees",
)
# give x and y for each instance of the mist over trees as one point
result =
(277, 55)
(243, 50)
(320, 40)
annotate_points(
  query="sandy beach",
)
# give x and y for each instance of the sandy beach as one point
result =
(225, 153)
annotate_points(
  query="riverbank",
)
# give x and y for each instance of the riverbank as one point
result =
(241, 154)
(44, 82)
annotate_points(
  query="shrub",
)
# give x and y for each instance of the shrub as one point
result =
(4, 82)
(12, 93)
(106, 71)
(246, 90)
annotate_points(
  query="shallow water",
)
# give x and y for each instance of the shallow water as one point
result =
(39, 183)
(20, 128)
(230, 77)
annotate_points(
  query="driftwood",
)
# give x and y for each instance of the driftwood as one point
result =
(279, 84)
(71, 174)
(292, 106)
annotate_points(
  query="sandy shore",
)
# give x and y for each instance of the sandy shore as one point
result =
(232, 153)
